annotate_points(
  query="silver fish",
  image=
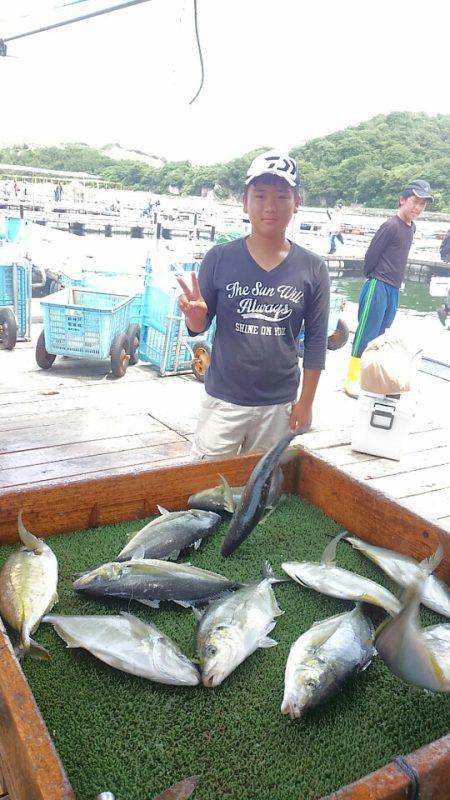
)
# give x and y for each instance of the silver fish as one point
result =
(149, 581)
(410, 652)
(225, 498)
(128, 644)
(28, 584)
(403, 570)
(166, 536)
(438, 640)
(323, 658)
(234, 627)
(334, 581)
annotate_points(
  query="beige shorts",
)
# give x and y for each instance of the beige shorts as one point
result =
(225, 429)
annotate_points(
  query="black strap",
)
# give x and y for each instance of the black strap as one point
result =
(412, 774)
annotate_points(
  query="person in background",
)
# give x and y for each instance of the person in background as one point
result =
(384, 268)
(335, 226)
(444, 249)
(259, 289)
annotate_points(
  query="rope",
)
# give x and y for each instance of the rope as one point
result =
(199, 54)
(412, 774)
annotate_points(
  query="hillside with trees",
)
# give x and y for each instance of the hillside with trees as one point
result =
(367, 164)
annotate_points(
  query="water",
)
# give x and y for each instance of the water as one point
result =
(415, 296)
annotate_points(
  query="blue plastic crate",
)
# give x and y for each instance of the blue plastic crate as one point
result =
(104, 282)
(7, 293)
(165, 341)
(83, 323)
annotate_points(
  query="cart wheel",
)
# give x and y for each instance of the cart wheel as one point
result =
(339, 337)
(8, 329)
(201, 360)
(43, 357)
(134, 335)
(120, 355)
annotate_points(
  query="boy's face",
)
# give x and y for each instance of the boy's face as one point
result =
(411, 207)
(270, 206)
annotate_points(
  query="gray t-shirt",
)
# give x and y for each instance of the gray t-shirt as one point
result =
(259, 314)
(387, 255)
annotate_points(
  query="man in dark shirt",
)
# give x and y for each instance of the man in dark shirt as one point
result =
(259, 289)
(384, 268)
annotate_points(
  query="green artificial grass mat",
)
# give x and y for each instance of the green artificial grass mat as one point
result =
(135, 738)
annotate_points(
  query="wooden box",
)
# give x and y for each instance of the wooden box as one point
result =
(28, 760)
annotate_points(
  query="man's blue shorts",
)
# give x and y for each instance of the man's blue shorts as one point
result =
(378, 303)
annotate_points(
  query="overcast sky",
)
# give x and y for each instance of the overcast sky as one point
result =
(277, 72)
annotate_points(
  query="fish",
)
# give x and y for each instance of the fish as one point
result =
(233, 627)
(28, 589)
(410, 652)
(254, 499)
(323, 658)
(334, 581)
(403, 570)
(151, 580)
(181, 790)
(166, 536)
(438, 640)
(224, 499)
(126, 643)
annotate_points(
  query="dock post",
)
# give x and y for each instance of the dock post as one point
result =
(213, 232)
(108, 231)
(158, 230)
(21, 211)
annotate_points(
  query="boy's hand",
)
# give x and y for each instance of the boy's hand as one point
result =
(192, 305)
(301, 417)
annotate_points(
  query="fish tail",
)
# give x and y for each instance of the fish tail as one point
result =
(268, 573)
(28, 646)
(329, 554)
(428, 565)
(30, 541)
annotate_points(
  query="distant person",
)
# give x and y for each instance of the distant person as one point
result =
(335, 226)
(444, 311)
(384, 268)
(60, 191)
(259, 289)
(445, 247)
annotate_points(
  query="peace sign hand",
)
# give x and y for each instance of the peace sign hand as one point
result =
(192, 305)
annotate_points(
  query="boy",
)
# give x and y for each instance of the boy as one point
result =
(259, 289)
(384, 268)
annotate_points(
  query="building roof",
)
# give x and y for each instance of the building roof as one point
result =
(55, 173)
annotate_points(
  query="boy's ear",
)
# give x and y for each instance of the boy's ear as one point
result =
(244, 202)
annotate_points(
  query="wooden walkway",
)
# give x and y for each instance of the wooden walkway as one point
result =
(72, 421)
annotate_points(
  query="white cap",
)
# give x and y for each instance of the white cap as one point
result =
(273, 163)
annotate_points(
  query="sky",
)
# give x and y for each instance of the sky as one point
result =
(277, 72)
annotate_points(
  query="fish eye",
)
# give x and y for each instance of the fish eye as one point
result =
(211, 650)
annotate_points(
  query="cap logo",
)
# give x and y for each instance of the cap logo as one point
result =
(274, 162)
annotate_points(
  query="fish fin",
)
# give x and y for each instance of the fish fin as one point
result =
(197, 544)
(138, 626)
(228, 504)
(267, 514)
(428, 565)
(162, 510)
(38, 652)
(172, 556)
(266, 641)
(197, 612)
(329, 554)
(28, 539)
(138, 553)
(282, 499)
(268, 572)
(149, 603)
(183, 603)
